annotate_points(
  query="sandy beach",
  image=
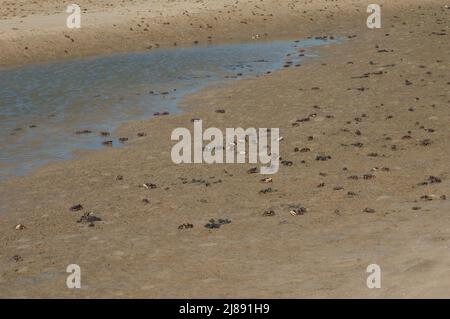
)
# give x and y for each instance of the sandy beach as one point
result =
(365, 157)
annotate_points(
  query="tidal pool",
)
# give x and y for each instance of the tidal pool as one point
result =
(42, 106)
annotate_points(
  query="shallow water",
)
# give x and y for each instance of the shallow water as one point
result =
(42, 106)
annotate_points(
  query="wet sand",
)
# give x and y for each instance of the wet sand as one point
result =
(43, 105)
(376, 107)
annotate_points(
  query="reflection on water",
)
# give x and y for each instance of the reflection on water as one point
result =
(42, 106)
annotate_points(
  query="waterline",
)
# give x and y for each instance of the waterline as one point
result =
(42, 106)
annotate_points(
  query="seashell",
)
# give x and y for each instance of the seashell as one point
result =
(149, 186)
(268, 213)
(298, 211)
(19, 227)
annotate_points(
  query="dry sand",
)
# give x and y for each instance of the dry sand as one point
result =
(378, 105)
(36, 31)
